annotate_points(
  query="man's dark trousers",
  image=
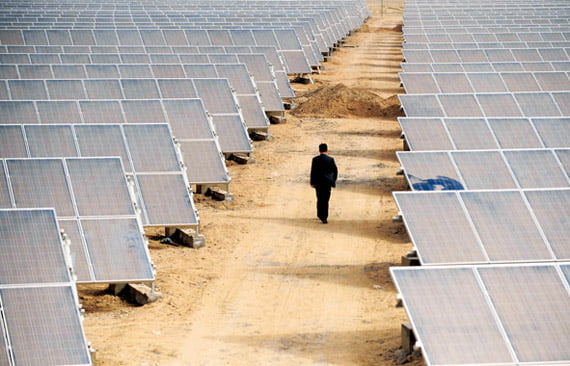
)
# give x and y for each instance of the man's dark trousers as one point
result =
(323, 197)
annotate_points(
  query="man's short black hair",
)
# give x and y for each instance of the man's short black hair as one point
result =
(323, 148)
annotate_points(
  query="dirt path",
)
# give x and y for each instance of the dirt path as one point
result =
(274, 286)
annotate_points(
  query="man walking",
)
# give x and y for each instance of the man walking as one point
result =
(323, 177)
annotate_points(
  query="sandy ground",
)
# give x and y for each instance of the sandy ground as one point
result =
(274, 286)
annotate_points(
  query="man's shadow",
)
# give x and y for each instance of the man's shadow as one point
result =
(438, 184)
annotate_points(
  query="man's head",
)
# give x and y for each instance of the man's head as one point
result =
(323, 148)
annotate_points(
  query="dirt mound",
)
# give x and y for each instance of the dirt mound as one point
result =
(340, 101)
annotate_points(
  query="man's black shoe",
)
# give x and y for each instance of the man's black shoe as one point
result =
(325, 221)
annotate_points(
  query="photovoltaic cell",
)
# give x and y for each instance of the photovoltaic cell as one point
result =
(147, 111)
(64, 89)
(453, 83)
(32, 251)
(436, 227)
(555, 132)
(513, 133)
(419, 169)
(460, 105)
(167, 188)
(486, 82)
(531, 303)
(103, 89)
(216, 95)
(421, 105)
(552, 210)
(253, 113)
(121, 260)
(40, 183)
(505, 226)
(102, 194)
(425, 134)
(102, 140)
(498, 105)
(536, 169)
(483, 170)
(177, 88)
(207, 165)
(535, 104)
(12, 142)
(58, 112)
(98, 111)
(51, 315)
(27, 89)
(49, 141)
(470, 133)
(146, 154)
(442, 304)
(17, 112)
(188, 119)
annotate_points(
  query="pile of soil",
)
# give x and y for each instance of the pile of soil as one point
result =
(340, 101)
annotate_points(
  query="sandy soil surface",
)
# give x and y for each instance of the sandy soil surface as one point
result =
(274, 286)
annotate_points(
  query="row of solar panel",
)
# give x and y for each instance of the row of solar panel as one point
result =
(486, 169)
(555, 104)
(494, 226)
(487, 66)
(261, 71)
(487, 55)
(542, 36)
(146, 57)
(215, 93)
(476, 33)
(268, 82)
(288, 46)
(265, 90)
(145, 149)
(436, 83)
(485, 45)
(424, 134)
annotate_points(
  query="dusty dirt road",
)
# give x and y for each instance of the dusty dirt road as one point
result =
(274, 286)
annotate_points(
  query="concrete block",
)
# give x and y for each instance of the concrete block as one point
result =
(140, 294)
(410, 260)
(277, 119)
(187, 237)
(216, 193)
(408, 338)
(259, 135)
(240, 158)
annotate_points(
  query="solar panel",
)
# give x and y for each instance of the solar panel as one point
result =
(81, 189)
(470, 133)
(49, 313)
(505, 226)
(206, 161)
(430, 171)
(483, 170)
(441, 304)
(528, 324)
(506, 315)
(55, 141)
(537, 169)
(32, 249)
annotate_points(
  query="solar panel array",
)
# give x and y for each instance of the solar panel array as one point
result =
(37, 293)
(488, 125)
(111, 112)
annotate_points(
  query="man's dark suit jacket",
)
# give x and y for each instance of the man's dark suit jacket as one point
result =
(323, 171)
